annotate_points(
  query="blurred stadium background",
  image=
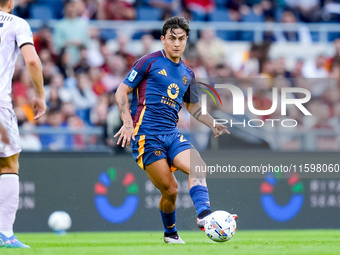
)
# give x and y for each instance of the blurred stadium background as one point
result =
(87, 48)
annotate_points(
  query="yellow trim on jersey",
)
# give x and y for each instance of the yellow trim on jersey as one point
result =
(173, 169)
(138, 93)
(163, 53)
(140, 119)
(141, 144)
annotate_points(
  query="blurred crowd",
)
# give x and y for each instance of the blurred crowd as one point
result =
(236, 10)
(81, 73)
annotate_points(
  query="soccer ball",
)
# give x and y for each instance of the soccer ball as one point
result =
(220, 226)
(59, 221)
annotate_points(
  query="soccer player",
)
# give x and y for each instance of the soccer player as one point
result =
(15, 36)
(160, 82)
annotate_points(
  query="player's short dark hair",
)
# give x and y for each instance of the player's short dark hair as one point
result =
(3, 2)
(174, 23)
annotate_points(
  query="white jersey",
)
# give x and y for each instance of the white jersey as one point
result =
(14, 33)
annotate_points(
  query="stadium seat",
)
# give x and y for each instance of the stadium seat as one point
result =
(148, 13)
(108, 34)
(221, 15)
(56, 5)
(221, 3)
(42, 12)
(251, 17)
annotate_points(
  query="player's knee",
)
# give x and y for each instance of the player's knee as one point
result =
(171, 191)
(12, 168)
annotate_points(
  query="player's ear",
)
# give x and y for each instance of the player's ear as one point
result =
(163, 39)
(11, 5)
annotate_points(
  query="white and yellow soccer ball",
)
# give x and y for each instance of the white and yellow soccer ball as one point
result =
(220, 226)
(59, 221)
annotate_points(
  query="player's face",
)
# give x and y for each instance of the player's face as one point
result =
(174, 43)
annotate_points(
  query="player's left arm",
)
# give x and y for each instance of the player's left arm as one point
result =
(195, 110)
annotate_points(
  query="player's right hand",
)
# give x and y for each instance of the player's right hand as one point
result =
(40, 106)
(126, 134)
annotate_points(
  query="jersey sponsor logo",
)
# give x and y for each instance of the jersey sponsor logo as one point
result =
(163, 72)
(185, 80)
(173, 91)
(132, 75)
(158, 152)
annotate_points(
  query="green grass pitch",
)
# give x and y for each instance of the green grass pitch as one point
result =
(132, 243)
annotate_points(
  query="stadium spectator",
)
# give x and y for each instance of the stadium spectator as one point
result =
(95, 75)
(200, 9)
(71, 32)
(22, 8)
(280, 68)
(210, 46)
(74, 122)
(250, 64)
(83, 97)
(315, 69)
(123, 40)
(302, 34)
(95, 58)
(56, 141)
(147, 42)
(82, 66)
(55, 93)
(116, 72)
(43, 40)
(90, 9)
(116, 10)
(331, 11)
(64, 64)
(308, 10)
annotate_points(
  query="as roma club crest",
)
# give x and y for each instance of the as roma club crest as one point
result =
(158, 152)
(185, 80)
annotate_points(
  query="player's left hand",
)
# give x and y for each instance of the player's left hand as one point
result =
(219, 129)
(40, 106)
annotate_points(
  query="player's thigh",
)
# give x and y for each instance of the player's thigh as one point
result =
(188, 160)
(10, 165)
(161, 176)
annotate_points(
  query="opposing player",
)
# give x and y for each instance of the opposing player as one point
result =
(15, 36)
(160, 82)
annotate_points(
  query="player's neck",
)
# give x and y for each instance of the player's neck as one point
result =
(5, 9)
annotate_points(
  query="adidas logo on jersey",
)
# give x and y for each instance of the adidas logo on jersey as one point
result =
(163, 72)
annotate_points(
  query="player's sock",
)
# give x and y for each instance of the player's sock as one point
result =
(200, 197)
(9, 202)
(169, 221)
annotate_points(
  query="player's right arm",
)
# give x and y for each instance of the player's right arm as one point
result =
(132, 81)
(126, 132)
(34, 68)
